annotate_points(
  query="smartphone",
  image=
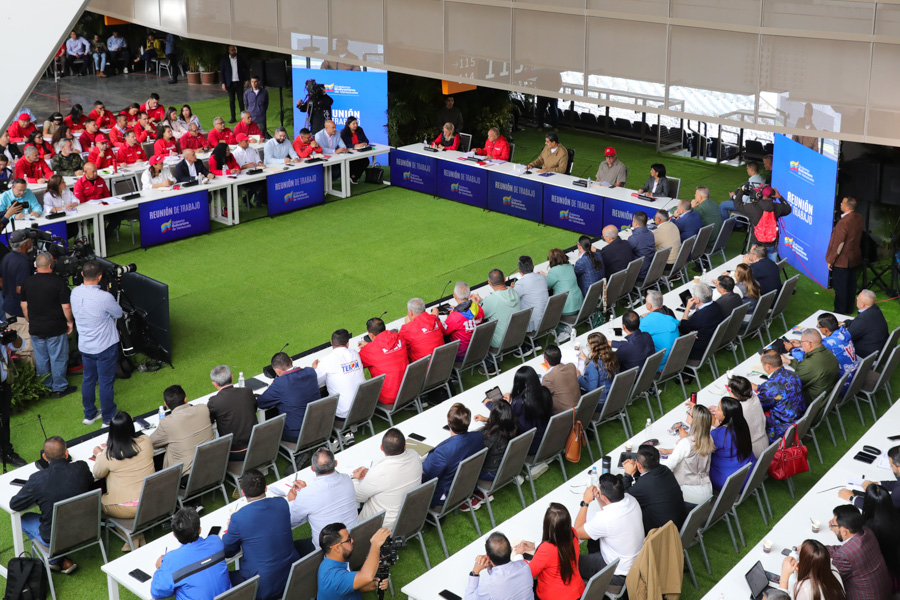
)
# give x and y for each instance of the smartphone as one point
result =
(617, 331)
(865, 458)
(786, 551)
(417, 437)
(18, 482)
(894, 438)
(773, 577)
(448, 595)
(214, 530)
(142, 423)
(446, 428)
(140, 575)
(494, 394)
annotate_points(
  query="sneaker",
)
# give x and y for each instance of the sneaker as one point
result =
(125, 71)
(349, 439)
(69, 389)
(477, 500)
(563, 337)
(65, 566)
(92, 420)
(539, 470)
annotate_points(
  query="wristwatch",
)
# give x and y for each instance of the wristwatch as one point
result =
(585, 504)
(473, 574)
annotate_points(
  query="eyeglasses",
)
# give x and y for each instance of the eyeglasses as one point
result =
(349, 540)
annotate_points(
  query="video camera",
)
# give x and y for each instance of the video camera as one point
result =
(7, 336)
(390, 554)
(752, 191)
(313, 89)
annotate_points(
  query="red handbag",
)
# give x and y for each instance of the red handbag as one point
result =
(790, 461)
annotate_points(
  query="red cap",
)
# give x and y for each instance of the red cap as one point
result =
(156, 159)
(610, 151)
(241, 137)
(100, 138)
(24, 117)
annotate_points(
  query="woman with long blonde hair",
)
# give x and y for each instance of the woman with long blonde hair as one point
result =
(689, 459)
(744, 281)
(601, 365)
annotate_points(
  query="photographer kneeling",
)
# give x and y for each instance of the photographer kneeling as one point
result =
(764, 209)
(336, 580)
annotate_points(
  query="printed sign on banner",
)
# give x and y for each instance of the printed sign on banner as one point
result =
(619, 213)
(462, 183)
(173, 218)
(414, 172)
(297, 188)
(573, 210)
(807, 181)
(515, 196)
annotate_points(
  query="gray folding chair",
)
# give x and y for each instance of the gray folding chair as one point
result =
(700, 244)
(362, 410)
(440, 369)
(880, 381)
(461, 490)
(709, 354)
(598, 584)
(514, 336)
(317, 427)
(814, 412)
(721, 240)
(777, 312)
(510, 465)
(410, 388)
(730, 336)
(756, 486)
(262, 450)
(646, 379)
(552, 446)
(476, 353)
(722, 508)
(856, 383)
(698, 515)
(303, 581)
(615, 291)
(412, 514)
(654, 272)
(549, 322)
(632, 272)
(585, 409)
(587, 310)
(76, 525)
(616, 402)
(362, 535)
(889, 345)
(677, 270)
(208, 470)
(242, 591)
(674, 367)
(830, 403)
(757, 321)
(157, 503)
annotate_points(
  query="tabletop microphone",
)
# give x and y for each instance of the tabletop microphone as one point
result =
(381, 316)
(443, 309)
(441, 297)
(286, 344)
(581, 181)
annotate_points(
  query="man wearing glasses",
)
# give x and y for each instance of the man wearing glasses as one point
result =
(336, 580)
(819, 370)
(780, 395)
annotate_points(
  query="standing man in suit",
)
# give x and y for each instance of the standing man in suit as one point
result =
(190, 168)
(617, 253)
(232, 410)
(638, 345)
(443, 461)
(869, 330)
(764, 269)
(844, 255)
(256, 99)
(262, 531)
(235, 77)
(561, 380)
(704, 319)
(686, 220)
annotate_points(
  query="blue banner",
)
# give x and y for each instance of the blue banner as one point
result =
(169, 219)
(807, 181)
(621, 213)
(516, 196)
(294, 189)
(360, 94)
(414, 172)
(573, 210)
(460, 182)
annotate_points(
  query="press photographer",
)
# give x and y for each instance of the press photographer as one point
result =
(317, 106)
(19, 193)
(336, 580)
(9, 340)
(15, 268)
(764, 208)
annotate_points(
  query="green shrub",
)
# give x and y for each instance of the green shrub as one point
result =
(27, 387)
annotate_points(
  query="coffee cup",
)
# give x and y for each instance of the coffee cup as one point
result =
(815, 526)
(767, 546)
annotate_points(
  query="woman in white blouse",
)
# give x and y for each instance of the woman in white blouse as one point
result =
(741, 390)
(157, 175)
(689, 459)
(59, 197)
(172, 120)
(187, 117)
(817, 578)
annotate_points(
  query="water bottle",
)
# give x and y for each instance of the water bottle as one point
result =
(649, 423)
(595, 477)
(590, 182)
(162, 412)
(240, 382)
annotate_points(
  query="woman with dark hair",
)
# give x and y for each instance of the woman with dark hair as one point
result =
(52, 123)
(589, 266)
(355, 138)
(601, 365)
(157, 175)
(36, 140)
(531, 404)
(734, 449)
(657, 185)
(500, 428)
(9, 149)
(817, 578)
(555, 561)
(222, 162)
(561, 278)
(62, 134)
(884, 521)
(165, 144)
(741, 390)
(188, 117)
(132, 113)
(448, 140)
(76, 119)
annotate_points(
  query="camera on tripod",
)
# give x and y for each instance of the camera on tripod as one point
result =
(314, 89)
(7, 335)
(390, 554)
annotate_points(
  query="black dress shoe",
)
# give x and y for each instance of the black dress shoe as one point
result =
(11, 458)
(69, 389)
(232, 121)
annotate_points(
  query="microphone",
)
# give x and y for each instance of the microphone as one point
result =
(444, 309)
(582, 182)
(445, 288)
(268, 371)
(381, 316)
(41, 423)
(286, 344)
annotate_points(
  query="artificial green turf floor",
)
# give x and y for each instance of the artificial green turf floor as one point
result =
(238, 294)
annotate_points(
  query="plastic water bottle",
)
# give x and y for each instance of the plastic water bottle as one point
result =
(649, 423)
(595, 477)
(162, 412)
(590, 183)
(240, 383)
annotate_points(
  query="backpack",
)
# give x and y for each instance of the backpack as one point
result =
(766, 231)
(26, 578)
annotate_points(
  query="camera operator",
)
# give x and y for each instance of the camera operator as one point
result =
(14, 269)
(317, 105)
(764, 210)
(336, 580)
(48, 312)
(7, 342)
(95, 312)
(19, 193)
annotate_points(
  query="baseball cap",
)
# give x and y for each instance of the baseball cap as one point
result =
(24, 117)
(18, 236)
(100, 138)
(610, 151)
(156, 159)
(241, 137)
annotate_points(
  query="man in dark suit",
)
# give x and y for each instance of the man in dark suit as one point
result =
(655, 488)
(232, 410)
(642, 242)
(262, 530)
(687, 221)
(704, 320)
(561, 380)
(638, 345)
(235, 76)
(291, 392)
(869, 330)
(190, 168)
(764, 269)
(617, 254)
(443, 461)
(728, 299)
(844, 255)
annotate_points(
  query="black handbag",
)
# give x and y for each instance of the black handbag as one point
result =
(375, 174)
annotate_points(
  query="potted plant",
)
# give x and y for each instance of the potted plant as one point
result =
(208, 58)
(193, 74)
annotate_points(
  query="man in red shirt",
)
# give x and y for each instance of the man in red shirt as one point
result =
(193, 140)
(305, 144)
(246, 125)
(385, 354)
(143, 129)
(423, 332)
(495, 147)
(101, 155)
(220, 133)
(32, 168)
(88, 138)
(101, 116)
(130, 152)
(21, 129)
(118, 131)
(90, 186)
(153, 109)
(463, 319)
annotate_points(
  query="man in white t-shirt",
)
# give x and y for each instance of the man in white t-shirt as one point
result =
(384, 486)
(615, 531)
(341, 372)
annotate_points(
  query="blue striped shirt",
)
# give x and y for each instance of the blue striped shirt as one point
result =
(95, 313)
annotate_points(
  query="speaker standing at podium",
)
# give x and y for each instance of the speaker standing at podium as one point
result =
(844, 255)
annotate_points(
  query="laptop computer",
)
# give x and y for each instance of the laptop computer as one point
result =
(758, 579)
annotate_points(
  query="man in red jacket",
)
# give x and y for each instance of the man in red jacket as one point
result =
(193, 140)
(89, 137)
(91, 186)
(32, 168)
(118, 131)
(423, 332)
(21, 129)
(220, 133)
(101, 155)
(385, 354)
(496, 146)
(463, 319)
(143, 129)
(305, 144)
(246, 125)
(130, 152)
(101, 116)
(155, 112)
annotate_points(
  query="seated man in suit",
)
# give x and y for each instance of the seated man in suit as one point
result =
(642, 242)
(262, 531)
(703, 320)
(291, 392)
(532, 290)
(666, 235)
(817, 368)
(728, 299)
(638, 345)
(655, 488)
(764, 269)
(858, 559)
(686, 220)
(443, 461)
(561, 380)
(190, 168)
(868, 330)
(232, 410)
(617, 253)
(185, 428)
